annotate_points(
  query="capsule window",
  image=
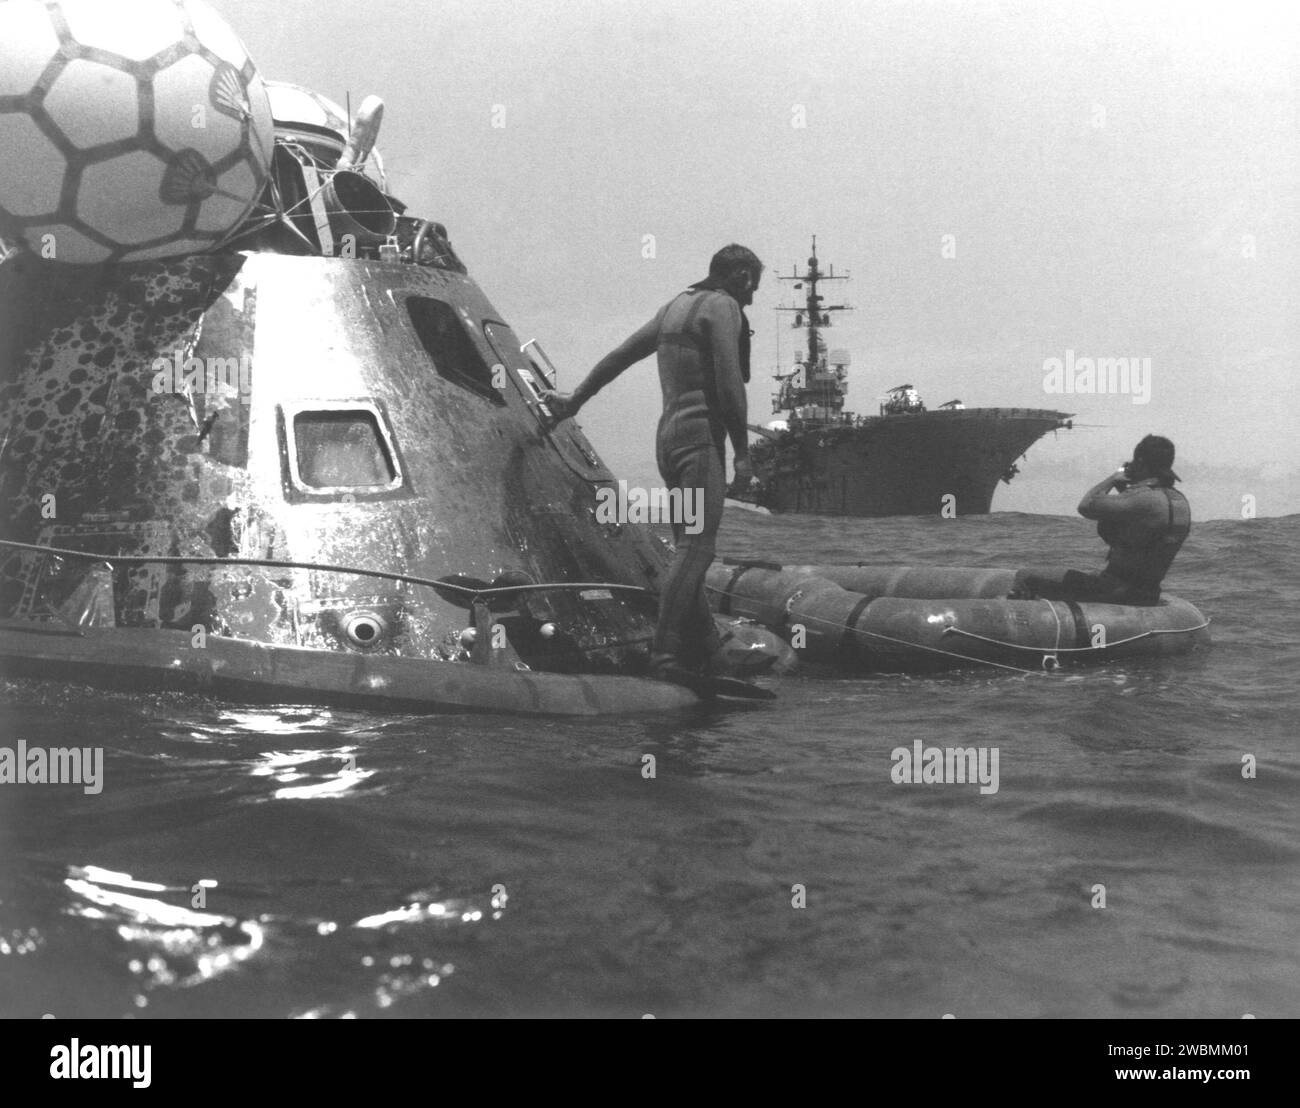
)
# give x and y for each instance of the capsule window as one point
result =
(340, 448)
(454, 355)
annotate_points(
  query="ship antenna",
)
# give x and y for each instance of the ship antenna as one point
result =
(777, 331)
(821, 387)
(813, 307)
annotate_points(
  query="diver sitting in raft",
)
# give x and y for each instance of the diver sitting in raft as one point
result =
(1145, 524)
(701, 338)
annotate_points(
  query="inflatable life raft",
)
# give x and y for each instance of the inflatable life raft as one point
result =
(913, 619)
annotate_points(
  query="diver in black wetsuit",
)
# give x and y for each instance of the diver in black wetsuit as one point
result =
(1145, 524)
(701, 338)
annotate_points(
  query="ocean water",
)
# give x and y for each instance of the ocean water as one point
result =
(298, 861)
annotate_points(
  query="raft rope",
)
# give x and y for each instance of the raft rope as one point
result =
(1081, 649)
(906, 642)
(466, 590)
(502, 590)
(1050, 662)
(469, 591)
(995, 642)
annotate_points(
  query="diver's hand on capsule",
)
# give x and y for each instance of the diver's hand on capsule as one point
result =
(561, 405)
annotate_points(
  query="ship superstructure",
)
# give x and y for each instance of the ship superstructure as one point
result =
(813, 391)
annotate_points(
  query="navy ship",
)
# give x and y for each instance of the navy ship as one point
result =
(906, 460)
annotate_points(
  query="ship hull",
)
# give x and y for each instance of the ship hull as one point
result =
(925, 463)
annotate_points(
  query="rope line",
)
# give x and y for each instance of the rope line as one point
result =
(997, 642)
(844, 627)
(466, 590)
(506, 590)
(1051, 661)
(1081, 649)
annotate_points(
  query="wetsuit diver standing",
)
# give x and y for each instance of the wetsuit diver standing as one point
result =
(1145, 524)
(701, 338)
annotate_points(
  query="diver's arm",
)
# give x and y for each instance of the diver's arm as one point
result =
(1095, 504)
(640, 344)
(1132, 508)
(722, 320)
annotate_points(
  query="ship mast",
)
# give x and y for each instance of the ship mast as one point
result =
(823, 386)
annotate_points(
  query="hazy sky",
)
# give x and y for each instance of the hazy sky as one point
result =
(1120, 180)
